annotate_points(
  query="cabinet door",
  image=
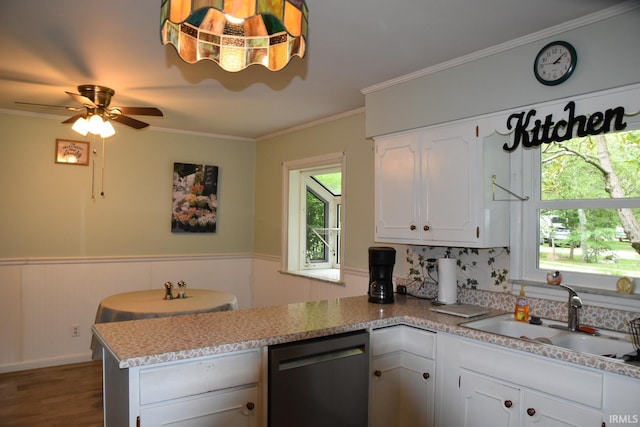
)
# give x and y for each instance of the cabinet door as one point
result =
(485, 402)
(544, 411)
(397, 188)
(402, 391)
(451, 186)
(237, 408)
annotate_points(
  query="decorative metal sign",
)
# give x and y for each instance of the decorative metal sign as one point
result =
(562, 130)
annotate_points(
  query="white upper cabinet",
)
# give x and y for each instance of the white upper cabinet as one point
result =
(433, 186)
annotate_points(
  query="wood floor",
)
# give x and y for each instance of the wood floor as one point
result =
(61, 396)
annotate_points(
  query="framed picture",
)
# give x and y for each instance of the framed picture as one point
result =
(195, 198)
(72, 152)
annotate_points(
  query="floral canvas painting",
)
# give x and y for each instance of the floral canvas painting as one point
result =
(195, 198)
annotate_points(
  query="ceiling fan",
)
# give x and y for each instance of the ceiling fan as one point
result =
(95, 100)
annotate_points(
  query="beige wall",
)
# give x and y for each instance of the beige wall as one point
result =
(47, 209)
(342, 135)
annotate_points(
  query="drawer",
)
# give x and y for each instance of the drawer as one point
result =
(581, 385)
(403, 338)
(182, 379)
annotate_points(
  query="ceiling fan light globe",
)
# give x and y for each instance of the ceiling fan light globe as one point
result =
(81, 126)
(95, 124)
(107, 129)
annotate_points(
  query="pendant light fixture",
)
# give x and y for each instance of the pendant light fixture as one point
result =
(236, 33)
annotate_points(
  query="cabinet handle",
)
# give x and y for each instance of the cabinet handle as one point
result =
(531, 412)
(426, 228)
(251, 406)
(412, 227)
(426, 375)
(508, 403)
(377, 373)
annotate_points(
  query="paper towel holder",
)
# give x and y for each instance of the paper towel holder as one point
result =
(494, 184)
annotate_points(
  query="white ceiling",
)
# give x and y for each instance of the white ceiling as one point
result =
(49, 47)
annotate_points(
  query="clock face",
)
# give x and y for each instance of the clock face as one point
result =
(555, 63)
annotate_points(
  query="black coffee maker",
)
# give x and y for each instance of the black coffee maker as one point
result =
(381, 261)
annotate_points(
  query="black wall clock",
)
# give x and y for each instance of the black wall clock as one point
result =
(555, 63)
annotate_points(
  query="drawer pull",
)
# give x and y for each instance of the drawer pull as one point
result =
(425, 228)
(426, 375)
(377, 373)
(248, 408)
(531, 412)
(508, 403)
(412, 227)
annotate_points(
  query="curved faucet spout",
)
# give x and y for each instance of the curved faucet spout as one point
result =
(574, 305)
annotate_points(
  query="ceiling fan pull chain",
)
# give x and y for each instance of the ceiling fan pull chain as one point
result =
(103, 163)
(93, 175)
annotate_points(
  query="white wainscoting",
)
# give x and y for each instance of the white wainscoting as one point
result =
(42, 298)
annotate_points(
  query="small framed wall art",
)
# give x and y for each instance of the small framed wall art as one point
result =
(72, 152)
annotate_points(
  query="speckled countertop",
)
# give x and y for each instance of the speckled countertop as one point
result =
(150, 341)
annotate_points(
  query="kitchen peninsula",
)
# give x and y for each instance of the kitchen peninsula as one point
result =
(158, 351)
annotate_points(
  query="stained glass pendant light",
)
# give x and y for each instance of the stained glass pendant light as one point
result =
(236, 33)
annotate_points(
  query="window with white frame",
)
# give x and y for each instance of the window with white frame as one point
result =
(312, 224)
(583, 215)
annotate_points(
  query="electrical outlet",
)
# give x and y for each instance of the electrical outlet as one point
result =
(75, 330)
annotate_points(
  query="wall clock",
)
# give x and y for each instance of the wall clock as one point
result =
(555, 63)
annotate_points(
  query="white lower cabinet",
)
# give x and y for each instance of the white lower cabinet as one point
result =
(214, 391)
(235, 408)
(484, 399)
(403, 377)
(489, 386)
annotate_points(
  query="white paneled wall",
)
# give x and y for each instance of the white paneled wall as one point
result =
(42, 299)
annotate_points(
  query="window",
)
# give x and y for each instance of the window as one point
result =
(583, 216)
(314, 208)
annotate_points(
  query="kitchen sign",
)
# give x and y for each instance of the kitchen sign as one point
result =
(547, 131)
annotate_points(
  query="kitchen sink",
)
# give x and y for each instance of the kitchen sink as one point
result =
(605, 343)
(600, 345)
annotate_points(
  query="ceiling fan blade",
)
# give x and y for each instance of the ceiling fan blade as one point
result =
(129, 121)
(136, 111)
(50, 106)
(82, 99)
(74, 118)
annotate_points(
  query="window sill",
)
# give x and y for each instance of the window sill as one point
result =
(590, 296)
(331, 275)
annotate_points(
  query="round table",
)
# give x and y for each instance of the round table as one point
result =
(151, 303)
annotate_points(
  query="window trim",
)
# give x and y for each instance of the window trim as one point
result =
(291, 182)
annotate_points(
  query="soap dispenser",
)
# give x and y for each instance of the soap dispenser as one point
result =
(522, 307)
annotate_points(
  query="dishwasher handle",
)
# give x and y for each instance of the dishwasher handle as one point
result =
(315, 359)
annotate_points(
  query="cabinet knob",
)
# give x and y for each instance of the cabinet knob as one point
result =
(412, 227)
(508, 403)
(426, 228)
(250, 406)
(531, 412)
(425, 375)
(377, 373)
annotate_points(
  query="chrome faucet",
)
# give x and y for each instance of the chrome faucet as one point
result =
(575, 304)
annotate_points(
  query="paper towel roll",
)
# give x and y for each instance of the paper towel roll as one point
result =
(447, 281)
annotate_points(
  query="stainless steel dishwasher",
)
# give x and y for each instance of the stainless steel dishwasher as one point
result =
(320, 382)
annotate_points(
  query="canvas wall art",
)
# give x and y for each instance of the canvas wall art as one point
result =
(195, 198)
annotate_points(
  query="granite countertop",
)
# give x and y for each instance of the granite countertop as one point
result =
(149, 341)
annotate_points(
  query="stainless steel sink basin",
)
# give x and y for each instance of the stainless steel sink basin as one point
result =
(606, 343)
